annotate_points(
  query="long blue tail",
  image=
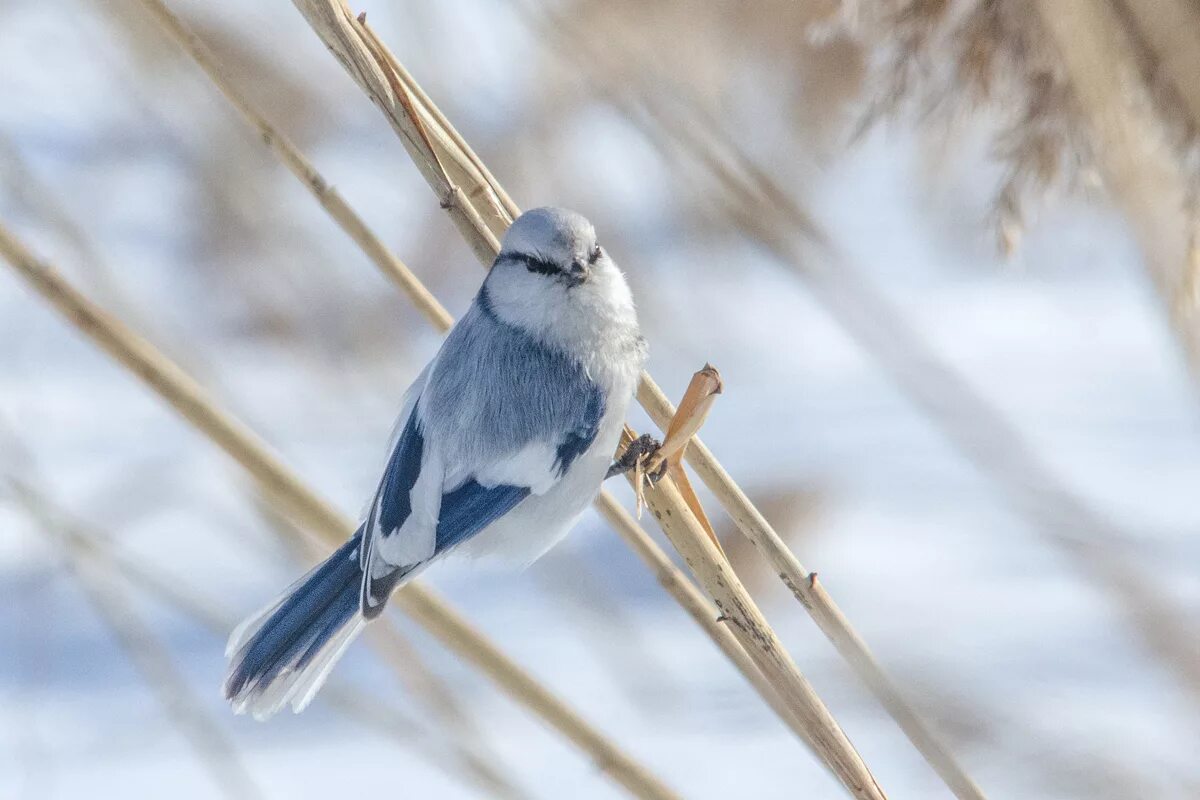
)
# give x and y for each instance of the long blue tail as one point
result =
(284, 653)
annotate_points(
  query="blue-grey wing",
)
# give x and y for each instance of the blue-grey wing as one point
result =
(501, 416)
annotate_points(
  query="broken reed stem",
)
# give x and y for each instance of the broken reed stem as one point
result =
(670, 576)
(149, 655)
(752, 630)
(244, 446)
(365, 58)
(697, 606)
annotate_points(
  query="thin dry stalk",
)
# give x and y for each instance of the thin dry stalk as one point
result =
(329, 197)
(671, 578)
(975, 426)
(355, 705)
(244, 446)
(754, 633)
(698, 607)
(365, 58)
(149, 655)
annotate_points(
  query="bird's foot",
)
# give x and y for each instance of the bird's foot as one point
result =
(638, 451)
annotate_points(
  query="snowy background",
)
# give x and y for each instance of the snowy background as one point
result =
(124, 167)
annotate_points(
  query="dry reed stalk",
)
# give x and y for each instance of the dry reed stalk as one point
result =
(374, 68)
(1171, 31)
(329, 198)
(1131, 144)
(245, 447)
(697, 400)
(820, 605)
(976, 427)
(691, 600)
(707, 562)
(669, 576)
(149, 655)
(355, 705)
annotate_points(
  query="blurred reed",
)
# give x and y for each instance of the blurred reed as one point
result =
(1087, 95)
(458, 179)
(190, 400)
(150, 656)
(992, 36)
(89, 544)
(669, 575)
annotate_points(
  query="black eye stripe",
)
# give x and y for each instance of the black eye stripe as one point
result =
(595, 254)
(532, 263)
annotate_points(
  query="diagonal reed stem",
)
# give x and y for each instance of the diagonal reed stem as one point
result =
(245, 447)
(432, 148)
(356, 705)
(669, 576)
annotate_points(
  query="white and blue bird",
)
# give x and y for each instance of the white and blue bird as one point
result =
(502, 442)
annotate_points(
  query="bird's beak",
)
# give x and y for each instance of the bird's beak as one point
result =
(579, 273)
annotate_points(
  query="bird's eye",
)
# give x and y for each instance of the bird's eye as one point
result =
(595, 254)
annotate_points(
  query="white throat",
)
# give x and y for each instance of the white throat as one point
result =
(594, 321)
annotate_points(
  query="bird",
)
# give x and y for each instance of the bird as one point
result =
(502, 441)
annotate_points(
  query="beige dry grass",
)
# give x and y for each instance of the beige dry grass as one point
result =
(277, 480)
(445, 167)
(669, 575)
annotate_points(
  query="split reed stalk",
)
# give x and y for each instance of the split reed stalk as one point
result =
(244, 446)
(432, 148)
(739, 611)
(671, 578)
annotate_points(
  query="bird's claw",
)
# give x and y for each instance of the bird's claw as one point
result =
(638, 451)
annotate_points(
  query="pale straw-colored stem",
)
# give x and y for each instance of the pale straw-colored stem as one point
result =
(329, 198)
(190, 400)
(670, 576)
(356, 705)
(752, 630)
(691, 600)
(375, 69)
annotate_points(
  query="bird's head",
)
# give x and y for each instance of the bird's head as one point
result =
(553, 243)
(551, 276)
